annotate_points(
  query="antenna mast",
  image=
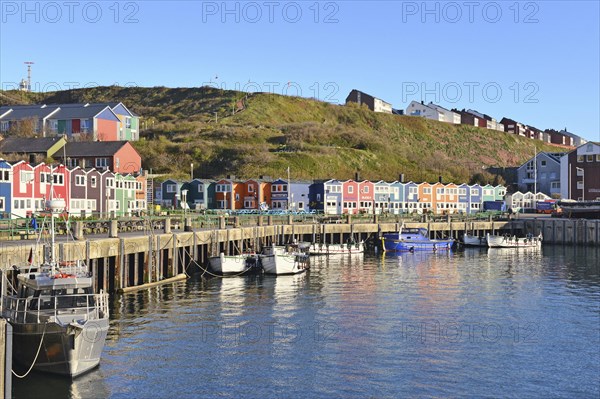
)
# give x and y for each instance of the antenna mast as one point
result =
(29, 64)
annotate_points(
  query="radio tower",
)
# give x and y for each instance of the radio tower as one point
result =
(29, 64)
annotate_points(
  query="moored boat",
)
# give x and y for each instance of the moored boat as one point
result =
(233, 264)
(508, 241)
(284, 260)
(471, 240)
(415, 240)
(59, 324)
(337, 249)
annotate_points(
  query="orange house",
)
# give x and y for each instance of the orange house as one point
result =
(229, 194)
(426, 197)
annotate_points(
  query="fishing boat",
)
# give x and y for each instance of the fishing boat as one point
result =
(284, 260)
(337, 249)
(233, 264)
(414, 240)
(508, 241)
(471, 240)
(59, 324)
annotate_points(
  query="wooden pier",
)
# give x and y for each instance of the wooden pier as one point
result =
(122, 260)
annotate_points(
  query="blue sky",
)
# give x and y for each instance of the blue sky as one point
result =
(536, 62)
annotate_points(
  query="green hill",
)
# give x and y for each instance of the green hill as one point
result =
(315, 139)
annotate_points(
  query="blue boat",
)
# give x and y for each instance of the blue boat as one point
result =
(414, 240)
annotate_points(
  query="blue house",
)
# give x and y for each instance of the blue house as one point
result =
(333, 190)
(397, 202)
(279, 194)
(411, 196)
(475, 198)
(464, 198)
(171, 191)
(299, 196)
(382, 197)
(200, 193)
(5, 189)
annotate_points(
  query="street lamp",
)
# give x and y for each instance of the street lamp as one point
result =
(184, 200)
(580, 170)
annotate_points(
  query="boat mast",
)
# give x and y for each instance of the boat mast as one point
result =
(535, 175)
(49, 205)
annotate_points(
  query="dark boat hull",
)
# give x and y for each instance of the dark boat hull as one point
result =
(66, 350)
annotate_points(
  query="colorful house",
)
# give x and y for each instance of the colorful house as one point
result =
(22, 190)
(350, 196)
(382, 196)
(427, 199)
(95, 120)
(397, 196)
(332, 194)
(299, 196)
(227, 194)
(117, 156)
(129, 122)
(6, 180)
(279, 194)
(366, 197)
(33, 149)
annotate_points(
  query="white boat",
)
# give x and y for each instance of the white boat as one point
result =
(337, 249)
(59, 324)
(508, 241)
(284, 260)
(474, 241)
(233, 264)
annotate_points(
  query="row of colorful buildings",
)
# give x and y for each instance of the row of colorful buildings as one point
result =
(98, 122)
(25, 187)
(330, 197)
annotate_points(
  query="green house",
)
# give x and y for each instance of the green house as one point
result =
(125, 188)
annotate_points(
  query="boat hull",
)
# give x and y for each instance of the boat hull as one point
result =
(337, 249)
(474, 241)
(279, 262)
(514, 242)
(235, 264)
(66, 350)
(418, 245)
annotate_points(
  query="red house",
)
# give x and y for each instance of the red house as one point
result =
(116, 156)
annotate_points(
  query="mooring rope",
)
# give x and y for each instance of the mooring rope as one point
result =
(36, 356)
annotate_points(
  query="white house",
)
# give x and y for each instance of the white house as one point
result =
(416, 108)
(447, 115)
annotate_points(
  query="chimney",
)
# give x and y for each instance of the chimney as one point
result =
(32, 159)
(357, 176)
(401, 177)
(422, 102)
(440, 178)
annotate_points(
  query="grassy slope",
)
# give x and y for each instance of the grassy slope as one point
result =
(316, 139)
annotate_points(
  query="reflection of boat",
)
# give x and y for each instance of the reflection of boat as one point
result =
(284, 260)
(59, 324)
(508, 241)
(233, 264)
(335, 249)
(474, 241)
(414, 240)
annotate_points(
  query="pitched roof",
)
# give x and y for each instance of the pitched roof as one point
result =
(26, 145)
(68, 112)
(19, 112)
(92, 148)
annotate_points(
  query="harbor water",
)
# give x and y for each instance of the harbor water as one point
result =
(473, 323)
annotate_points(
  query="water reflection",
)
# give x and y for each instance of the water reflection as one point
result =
(516, 323)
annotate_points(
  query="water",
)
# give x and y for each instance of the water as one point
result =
(477, 323)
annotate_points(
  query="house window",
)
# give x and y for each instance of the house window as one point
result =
(4, 126)
(462, 191)
(101, 162)
(597, 157)
(350, 189)
(127, 122)
(250, 188)
(2, 204)
(555, 185)
(474, 191)
(427, 190)
(171, 188)
(93, 181)
(318, 197)
(580, 158)
(366, 189)
(590, 158)
(80, 180)
(580, 185)
(543, 163)
(85, 125)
